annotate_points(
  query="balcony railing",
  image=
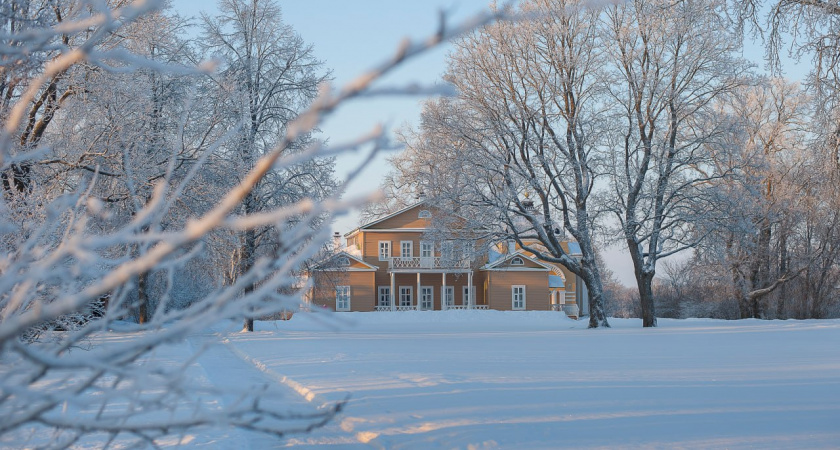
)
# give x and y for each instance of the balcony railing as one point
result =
(429, 263)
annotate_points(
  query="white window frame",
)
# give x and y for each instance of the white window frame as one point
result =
(424, 214)
(447, 293)
(410, 291)
(517, 261)
(427, 249)
(406, 245)
(384, 250)
(517, 297)
(447, 250)
(343, 261)
(342, 294)
(464, 291)
(384, 292)
(431, 291)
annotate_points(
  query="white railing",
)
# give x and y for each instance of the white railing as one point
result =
(406, 308)
(571, 310)
(467, 307)
(429, 263)
(557, 307)
(382, 308)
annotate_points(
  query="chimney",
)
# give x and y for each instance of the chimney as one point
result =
(336, 241)
(511, 246)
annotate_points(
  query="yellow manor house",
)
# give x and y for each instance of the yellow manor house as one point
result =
(393, 264)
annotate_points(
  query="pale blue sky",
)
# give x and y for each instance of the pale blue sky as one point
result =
(353, 36)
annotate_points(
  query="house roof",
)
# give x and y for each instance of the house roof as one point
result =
(365, 266)
(382, 219)
(497, 265)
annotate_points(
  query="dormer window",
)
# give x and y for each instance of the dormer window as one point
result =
(517, 262)
(425, 214)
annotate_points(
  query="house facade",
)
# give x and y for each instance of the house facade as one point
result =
(394, 264)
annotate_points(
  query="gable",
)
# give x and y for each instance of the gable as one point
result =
(510, 263)
(343, 261)
(407, 218)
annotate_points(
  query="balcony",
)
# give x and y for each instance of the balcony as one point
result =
(430, 264)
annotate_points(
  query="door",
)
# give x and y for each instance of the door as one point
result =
(427, 298)
(448, 296)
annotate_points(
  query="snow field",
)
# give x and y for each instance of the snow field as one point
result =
(490, 379)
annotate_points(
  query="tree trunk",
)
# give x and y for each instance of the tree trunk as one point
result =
(142, 298)
(592, 279)
(645, 283)
(246, 261)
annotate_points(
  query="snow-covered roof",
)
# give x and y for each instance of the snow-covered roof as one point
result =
(382, 219)
(499, 261)
(366, 267)
(556, 281)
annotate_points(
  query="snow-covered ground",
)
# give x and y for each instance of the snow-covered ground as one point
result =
(490, 379)
(486, 379)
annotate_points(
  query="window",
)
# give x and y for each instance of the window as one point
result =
(384, 250)
(406, 249)
(518, 297)
(448, 295)
(517, 262)
(469, 295)
(427, 298)
(425, 214)
(447, 250)
(405, 295)
(426, 249)
(342, 298)
(384, 298)
(343, 261)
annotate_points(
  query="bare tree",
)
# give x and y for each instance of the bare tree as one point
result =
(671, 60)
(269, 75)
(523, 124)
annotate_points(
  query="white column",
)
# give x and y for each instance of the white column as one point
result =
(443, 294)
(417, 295)
(471, 297)
(393, 294)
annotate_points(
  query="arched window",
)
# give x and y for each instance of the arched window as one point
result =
(425, 214)
(343, 261)
(517, 262)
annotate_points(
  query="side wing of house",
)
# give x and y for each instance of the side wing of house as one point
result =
(517, 282)
(343, 283)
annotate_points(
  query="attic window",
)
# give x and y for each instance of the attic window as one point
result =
(517, 262)
(343, 261)
(425, 214)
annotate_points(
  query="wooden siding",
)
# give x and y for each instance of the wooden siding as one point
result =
(362, 292)
(499, 285)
